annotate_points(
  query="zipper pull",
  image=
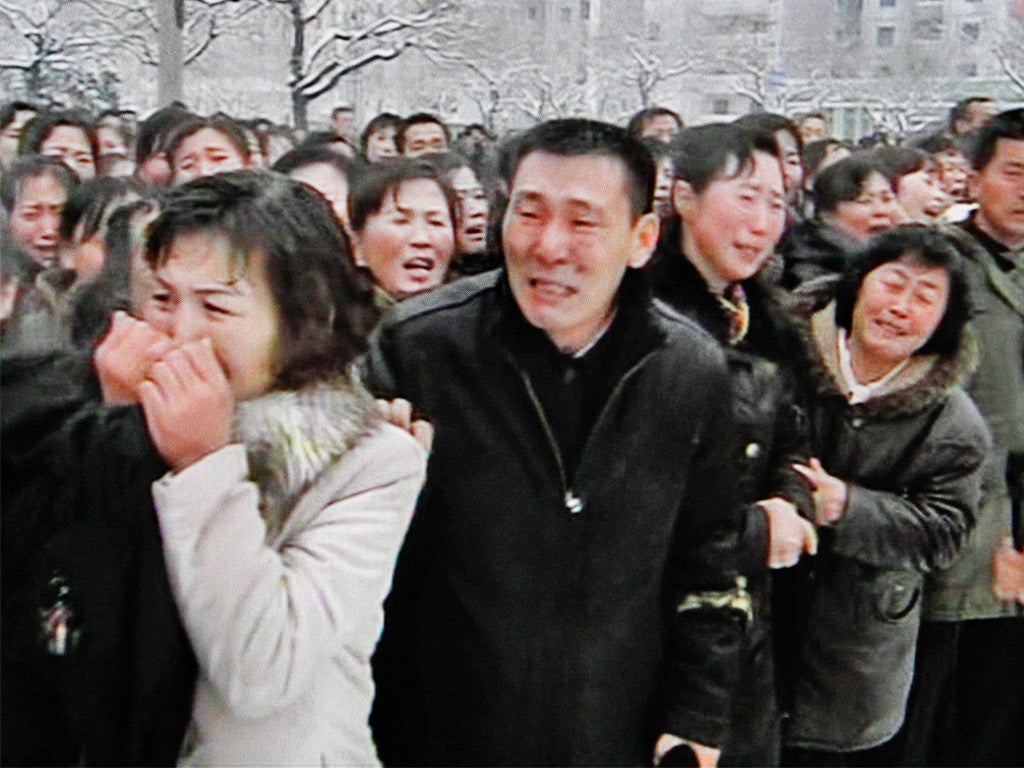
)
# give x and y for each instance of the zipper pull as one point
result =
(573, 503)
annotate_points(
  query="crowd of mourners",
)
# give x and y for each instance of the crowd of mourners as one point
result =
(592, 445)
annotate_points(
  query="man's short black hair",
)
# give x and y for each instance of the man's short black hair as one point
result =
(702, 154)
(928, 246)
(32, 167)
(962, 109)
(639, 121)
(1005, 125)
(370, 188)
(573, 137)
(418, 118)
(325, 303)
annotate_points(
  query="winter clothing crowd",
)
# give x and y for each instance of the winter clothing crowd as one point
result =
(594, 444)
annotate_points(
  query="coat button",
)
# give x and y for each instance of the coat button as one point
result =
(753, 450)
(857, 422)
(573, 503)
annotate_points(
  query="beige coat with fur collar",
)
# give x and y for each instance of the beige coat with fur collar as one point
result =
(284, 610)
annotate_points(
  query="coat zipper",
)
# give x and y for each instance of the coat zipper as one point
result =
(573, 503)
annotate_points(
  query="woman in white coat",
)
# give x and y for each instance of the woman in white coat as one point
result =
(288, 497)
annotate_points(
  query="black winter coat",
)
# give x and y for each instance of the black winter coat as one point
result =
(77, 507)
(913, 458)
(812, 249)
(771, 434)
(540, 616)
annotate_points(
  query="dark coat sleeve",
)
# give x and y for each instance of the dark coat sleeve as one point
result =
(379, 366)
(706, 610)
(923, 526)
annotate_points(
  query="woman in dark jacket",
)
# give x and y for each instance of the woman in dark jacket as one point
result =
(729, 214)
(854, 200)
(96, 669)
(896, 480)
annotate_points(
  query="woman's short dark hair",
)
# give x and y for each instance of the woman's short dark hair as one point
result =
(228, 127)
(91, 204)
(771, 123)
(705, 153)
(39, 128)
(843, 181)
(374, 184)
(928, 246)
(325, 303)
(32, 167)
(317, 154)
(902, 161)
(814, 153)
(97, 300)
(156, 130)
(379, 122)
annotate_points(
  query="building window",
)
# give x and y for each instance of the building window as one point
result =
(720, 106)
(885, 37)
(970, 32)
(585, 10)
(928, 29)
(653, 30)
(886, 3)
(532, 12)
(566, 15)
(968, 69)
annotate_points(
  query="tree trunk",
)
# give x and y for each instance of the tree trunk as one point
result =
(170, 20)
(299, 100)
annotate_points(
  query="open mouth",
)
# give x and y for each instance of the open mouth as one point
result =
(551, 289)
(474, 232)
(420, 267)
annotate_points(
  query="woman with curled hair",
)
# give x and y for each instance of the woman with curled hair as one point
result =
(898, 449)
(288, 497)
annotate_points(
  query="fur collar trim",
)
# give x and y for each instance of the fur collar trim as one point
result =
(292, 437)
(925, 381)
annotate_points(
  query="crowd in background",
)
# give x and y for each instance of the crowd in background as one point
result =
(868, 299)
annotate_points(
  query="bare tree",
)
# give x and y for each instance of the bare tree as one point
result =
(543, 93)
(490, 82)
(646, 70)
(80, 38)
(322, 52)
(1009, 52)
(906, 104)
(57, 48)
